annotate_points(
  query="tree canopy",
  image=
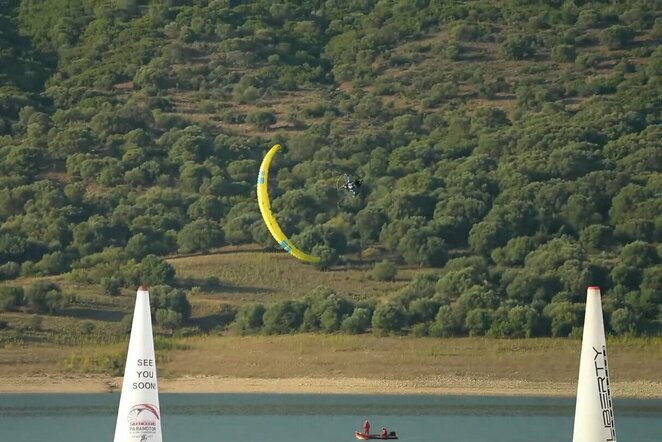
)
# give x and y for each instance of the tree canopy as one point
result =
(517, 149)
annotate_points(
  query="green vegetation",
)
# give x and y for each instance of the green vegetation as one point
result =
(512, 153)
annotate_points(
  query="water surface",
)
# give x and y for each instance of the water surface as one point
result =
(319, 418)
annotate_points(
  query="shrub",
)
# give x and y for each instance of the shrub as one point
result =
(262, 120)
(166, 298)
(11, 298)
(421, 329)
(111, 286)
(519, 48)
(226, 315)
(478, 321)
(87, 327)
(588, 60)
(44, 297)
(9, 270)
(564, 53)
(358, 322)
(169, 319)
(623, 321)
(249, 318)
(200, 235)
(152, 270)
(445, 324)
(384, 271)
(617, 36)
(328, 256)
(389, 318)
(212, 282)
(639, 254)
(283, 317)
(35, 322)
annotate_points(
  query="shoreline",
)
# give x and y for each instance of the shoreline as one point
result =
(447, 385)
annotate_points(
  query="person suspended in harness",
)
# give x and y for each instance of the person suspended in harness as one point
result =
(351, 186)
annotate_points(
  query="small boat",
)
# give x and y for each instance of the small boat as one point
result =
(363, 436)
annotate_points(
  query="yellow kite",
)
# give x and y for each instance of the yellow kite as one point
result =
(267, 214)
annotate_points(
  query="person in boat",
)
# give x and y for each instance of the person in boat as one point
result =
(384, 433)
(366, 427)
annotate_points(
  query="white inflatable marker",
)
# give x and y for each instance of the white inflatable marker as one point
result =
(594, 412)
(139, 415)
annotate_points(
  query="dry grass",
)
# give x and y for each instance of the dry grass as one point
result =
(265, 277)
(363, 356)
(246, 274)
(406, 358)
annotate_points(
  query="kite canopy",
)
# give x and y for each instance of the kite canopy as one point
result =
(267, 214)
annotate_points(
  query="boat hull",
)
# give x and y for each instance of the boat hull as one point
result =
(363, 436)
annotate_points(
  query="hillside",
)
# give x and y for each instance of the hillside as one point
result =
(511, 155)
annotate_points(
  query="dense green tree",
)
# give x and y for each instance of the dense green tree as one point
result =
(10, 270)
(519, 48)
(207, 206)
(326, 310)
(422, 310)
(111, 286)
(516, 322)
(563, 316)
(617, 36)
(486, 236)
(283, 317)
(12, 247)
(564, 53)
(44, 297)
(623, 321)
(139, 246)
(358, 322)
(525, 287)
(152, 270)
(124, 125)
(626, 276)
(262, 120)
(164, 297)
(190, 144)
(596, 237)
(53, 263)
(445, 323)
(478, 321)
(423, 247)
(515, 251)
(328, 256)
(639, 254)
(388, 318)
(200, 235)
(191, 176)
(92, 235)
(369, 223)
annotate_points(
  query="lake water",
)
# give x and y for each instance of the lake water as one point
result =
(319, 418)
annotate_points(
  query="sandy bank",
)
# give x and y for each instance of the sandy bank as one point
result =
(212, 384)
